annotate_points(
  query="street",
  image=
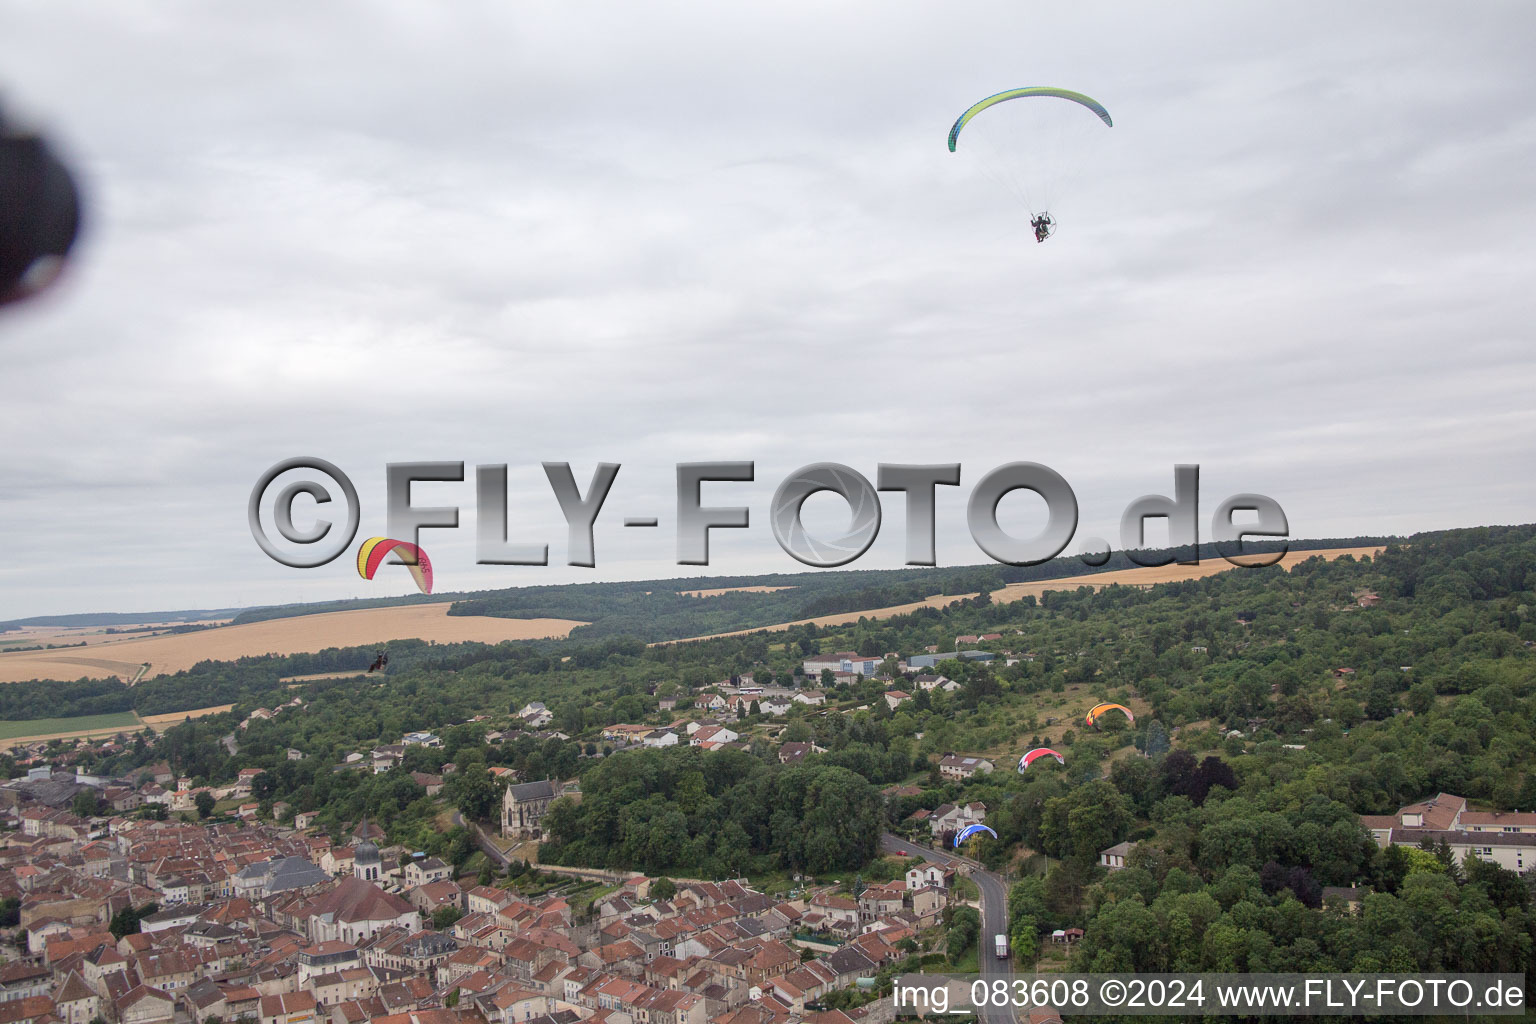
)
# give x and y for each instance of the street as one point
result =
(994, 913)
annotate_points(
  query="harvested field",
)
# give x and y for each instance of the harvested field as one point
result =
(306, 633)
(1141, 577)
(31, 636)
(160, 723)
(1161, 574)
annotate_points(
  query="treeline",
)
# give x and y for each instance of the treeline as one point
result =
(252, 680)
(288, 611)
(657, 610)
(47, 699)
(716, 814)
(117, 618)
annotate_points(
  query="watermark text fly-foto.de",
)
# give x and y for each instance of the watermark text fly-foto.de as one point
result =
(292, 484)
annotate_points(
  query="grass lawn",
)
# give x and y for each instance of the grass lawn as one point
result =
(40, 727)
(968, 963)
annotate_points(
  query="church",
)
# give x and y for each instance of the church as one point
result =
(523, 806)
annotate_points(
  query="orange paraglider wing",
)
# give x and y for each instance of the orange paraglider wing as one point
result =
(1099, 709)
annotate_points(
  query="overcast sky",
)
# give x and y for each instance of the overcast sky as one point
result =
(657, 233)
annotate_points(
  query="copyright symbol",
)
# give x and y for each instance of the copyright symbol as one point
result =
(1112, 992)
(282, 512)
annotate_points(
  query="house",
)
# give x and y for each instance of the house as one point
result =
(929, 874)
(433, 784)
(77, 1002)
(877, 901)
(794, 753)
(426, 871)
(1114, 858)
(1440, 812)
(713, 734)
(536, 714)
(144, 1005)
(625, 732)
(961, 767)
(21, 980)
(836, 911)
(1347, 897)
(288, 1008)
(280, 874)
(953, 818)
(326, 958)
(387, 756)
(244, 780)
(931, 682)
(894, 698)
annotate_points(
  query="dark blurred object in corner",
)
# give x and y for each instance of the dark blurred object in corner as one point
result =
(39, 213)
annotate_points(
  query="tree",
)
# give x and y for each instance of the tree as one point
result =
(204, 802)
(663, 888)
(798, 731)
(264, 786)
(1024, 940)
(476, 793)
(1421, 698)
(964, 930)
(444, 917)
(126, 921)
(86, 804)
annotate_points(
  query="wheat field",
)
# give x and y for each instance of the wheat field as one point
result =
(305, 633)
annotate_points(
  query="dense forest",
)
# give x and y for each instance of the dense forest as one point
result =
(1273, 708)
(721, 814)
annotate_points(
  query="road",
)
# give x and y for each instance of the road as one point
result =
(994, 913)
(488, 847)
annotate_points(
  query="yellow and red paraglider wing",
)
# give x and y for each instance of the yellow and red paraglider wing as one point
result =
(375, 549)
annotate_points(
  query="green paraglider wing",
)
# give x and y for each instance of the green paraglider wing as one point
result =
(1013, 94)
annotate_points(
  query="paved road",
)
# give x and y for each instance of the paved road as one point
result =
(994, 913)
(489, 848)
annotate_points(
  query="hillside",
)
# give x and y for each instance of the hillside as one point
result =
(1272, 710)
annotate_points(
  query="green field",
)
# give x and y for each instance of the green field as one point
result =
(49, 726)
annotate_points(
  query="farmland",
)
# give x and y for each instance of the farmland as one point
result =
(1139, 577)
(173, 653)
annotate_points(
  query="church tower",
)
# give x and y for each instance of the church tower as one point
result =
(365, 858)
